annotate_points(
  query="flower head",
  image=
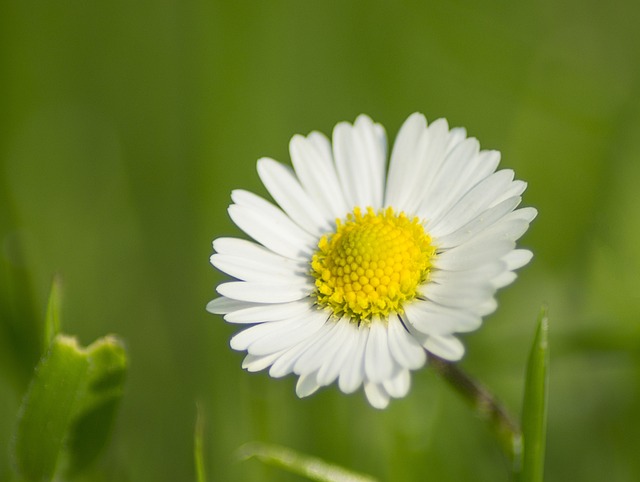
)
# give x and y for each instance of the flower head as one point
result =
(359, 271)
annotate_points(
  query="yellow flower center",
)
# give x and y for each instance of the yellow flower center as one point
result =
(372, 264)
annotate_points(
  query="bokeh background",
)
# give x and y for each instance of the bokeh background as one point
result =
(125, 125)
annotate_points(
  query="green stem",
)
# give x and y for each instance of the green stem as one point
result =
(486, 405)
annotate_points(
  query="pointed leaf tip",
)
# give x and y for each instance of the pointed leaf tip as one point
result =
(53, 318)
(534, 413)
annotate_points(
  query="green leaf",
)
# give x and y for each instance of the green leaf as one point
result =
(69, 407)
(48, 409)
(52, 320)
(98, 406)
(198, 445)
(534, 413)
(312, 468)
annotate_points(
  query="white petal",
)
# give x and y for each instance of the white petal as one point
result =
(284, 187)
(331, 369)
(472, 255)
(456, 136)
(457, 295)
(223, 305)
(284, 365)
(478, 224)
(487, 162)
(446, 184)
(241, 340)
(259, 313)
(438, 146)
(479, 274)
(249, 250)
(428, 158)
(528, 213)
(265, 292)
(404, 348)
(477, 166)
(447, 347)
(307, 385)
(322, 144)
(373, 140)
(250, 270)
(324, 348)
(434, 319)
(427, 320)
(313, 162)
(398, 385)
(516, 188)
(347, 164)
(485, 308)
(282, 335)
(511, 227)
(254, 363)
(504, 279)
(517, 258)
(403, 168)
(378, 363)
(360, 160)
(380, 154)
(272, 228)
(377, 395)
(481, 197)
(276, 335)
(352, 375)
(456, 177)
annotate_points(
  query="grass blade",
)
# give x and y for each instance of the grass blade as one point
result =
(198, 445)
(534, 412)
(312, 468)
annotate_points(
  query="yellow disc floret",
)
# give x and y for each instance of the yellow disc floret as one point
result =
(372, 264)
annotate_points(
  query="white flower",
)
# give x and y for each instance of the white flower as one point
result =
(358, 271)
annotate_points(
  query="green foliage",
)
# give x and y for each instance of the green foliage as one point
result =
(534, 411)
(313, 468)
(98, 404)
(198, 445)
(52, 322)
(69, 406)
(48, 409)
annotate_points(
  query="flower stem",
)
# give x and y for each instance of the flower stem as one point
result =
(486, 405)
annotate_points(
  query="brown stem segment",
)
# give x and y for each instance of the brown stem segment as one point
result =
(485, 404)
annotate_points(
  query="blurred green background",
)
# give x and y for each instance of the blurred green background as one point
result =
(125, 125)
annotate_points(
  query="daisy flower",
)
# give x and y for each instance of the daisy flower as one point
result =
(359, 269)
